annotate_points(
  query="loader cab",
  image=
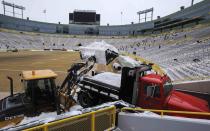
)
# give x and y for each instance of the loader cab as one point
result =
(153, 91)
(40, 88)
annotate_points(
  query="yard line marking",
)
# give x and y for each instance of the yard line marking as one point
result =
(9, 70)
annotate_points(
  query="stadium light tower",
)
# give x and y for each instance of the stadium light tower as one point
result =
(145, 13)
(14, 6)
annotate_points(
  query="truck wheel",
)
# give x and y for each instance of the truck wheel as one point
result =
(85, 99)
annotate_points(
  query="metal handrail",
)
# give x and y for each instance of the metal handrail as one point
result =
(92, 114)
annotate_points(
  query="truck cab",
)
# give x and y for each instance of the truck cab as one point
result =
(156, 92)
(153, 90)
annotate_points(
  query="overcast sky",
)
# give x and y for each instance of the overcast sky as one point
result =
(110, 10)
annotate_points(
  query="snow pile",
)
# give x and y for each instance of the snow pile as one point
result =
(119, 103)
(126, 61)
(50, 116)
(108, 78)
(146, 113)
(44, 117)
(101, 46)
(97, 49)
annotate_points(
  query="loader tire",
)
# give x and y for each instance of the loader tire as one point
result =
(85, 99)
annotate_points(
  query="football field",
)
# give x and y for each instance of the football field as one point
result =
(13, 63)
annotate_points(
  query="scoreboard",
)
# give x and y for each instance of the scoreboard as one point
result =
(84, 17)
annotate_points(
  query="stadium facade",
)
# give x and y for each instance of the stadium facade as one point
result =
(195, 14)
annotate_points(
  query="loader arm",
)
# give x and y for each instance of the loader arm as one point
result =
(76, 71)
(64, 97)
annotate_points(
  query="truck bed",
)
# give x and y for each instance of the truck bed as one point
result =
(101, 84)
(98, 86)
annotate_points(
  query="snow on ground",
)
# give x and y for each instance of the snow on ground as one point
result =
(45, 117)
(108, 78)
(50, 116)
(108, 104)
(146, 113)
(76, 110)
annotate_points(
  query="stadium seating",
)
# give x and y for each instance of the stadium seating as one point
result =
(183, 54)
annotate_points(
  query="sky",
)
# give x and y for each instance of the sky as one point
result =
(110, 10)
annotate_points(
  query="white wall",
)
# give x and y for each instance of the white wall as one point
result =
(134, 122)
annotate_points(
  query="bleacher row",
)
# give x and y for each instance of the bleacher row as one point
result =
(181, 53)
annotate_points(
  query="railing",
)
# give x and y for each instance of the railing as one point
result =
(100, 120)
(162, 112)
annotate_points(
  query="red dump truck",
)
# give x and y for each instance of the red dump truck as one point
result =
(143, 89)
